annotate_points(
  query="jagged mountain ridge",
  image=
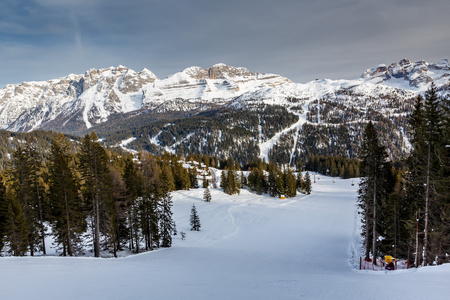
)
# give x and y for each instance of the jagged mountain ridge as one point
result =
(330, 110)
(80, 101)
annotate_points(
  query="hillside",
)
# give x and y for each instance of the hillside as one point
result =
(268, 115)
(249, 247)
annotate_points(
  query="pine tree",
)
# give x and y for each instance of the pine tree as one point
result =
(193, 178)
(117, 210)
(96, 186)
(233, 182)
(68, 219)
(299, 182)
(290, 183)
(23, 186)
(35, 168)
(194, 219)
(181, 177)
(134, 183)
(256, 181)
(207, 195)
(17, 232)
(307, 188)
(273, 181)
(433, 135)
(205, 182)
(166, 223)
(153, 192)
(224, 183)
(372, 187)
(427, 161)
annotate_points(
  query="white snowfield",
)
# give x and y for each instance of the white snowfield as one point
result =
(249, 247)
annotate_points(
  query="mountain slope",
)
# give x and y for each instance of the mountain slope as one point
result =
(320, 117)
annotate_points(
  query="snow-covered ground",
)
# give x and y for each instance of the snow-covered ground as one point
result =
(249, 247)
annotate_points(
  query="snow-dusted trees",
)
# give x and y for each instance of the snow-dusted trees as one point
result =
(207, 195)
(194, 219)
(166, 223)
(230, 181)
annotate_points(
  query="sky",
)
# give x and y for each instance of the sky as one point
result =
(301, 40)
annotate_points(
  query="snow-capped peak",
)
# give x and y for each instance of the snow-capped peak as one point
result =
(78, 101)
(407, 75)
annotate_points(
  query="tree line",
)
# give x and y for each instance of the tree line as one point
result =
(406, 211)
(87, 193)
(264, 178)
(94, 199)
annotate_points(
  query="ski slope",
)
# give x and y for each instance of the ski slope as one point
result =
(249, 247)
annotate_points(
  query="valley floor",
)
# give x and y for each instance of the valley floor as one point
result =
(249, 247)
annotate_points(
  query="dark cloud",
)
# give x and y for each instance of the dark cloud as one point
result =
(301, 40)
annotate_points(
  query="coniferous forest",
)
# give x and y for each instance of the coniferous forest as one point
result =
(94, 199)
(406, 211)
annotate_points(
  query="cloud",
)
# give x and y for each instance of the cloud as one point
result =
(302, 40)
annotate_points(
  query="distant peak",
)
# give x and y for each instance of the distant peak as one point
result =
(220, 65)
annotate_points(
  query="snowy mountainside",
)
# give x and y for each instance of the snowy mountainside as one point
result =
(74, 101)
(78, 102)
(197, 88)
(322, 117)
(319, 117)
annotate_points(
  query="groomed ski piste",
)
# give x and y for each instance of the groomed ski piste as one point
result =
(249, 247)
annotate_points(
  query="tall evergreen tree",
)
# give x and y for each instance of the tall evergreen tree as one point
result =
(153, 192)
(194, 219)
(68, 218)
(307, 187)
(290, 183)
(134, 183)
(23, 185)
(181, 177)
(117, 210)
(256, 181)
(372, 188)
(207, 195)
(193, 178)
(224, 183)
(427, 161)
(96, 186)
(234, 182)
(274, 185)
(36, 167)
(17, 232)
(166, 223)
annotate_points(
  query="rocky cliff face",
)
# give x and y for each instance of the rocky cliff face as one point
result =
(416, 75)
(77, 102)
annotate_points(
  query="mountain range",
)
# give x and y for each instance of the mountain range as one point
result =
(273, 114)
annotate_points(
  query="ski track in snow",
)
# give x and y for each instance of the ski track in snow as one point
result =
(266, 146)
(249, 247)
